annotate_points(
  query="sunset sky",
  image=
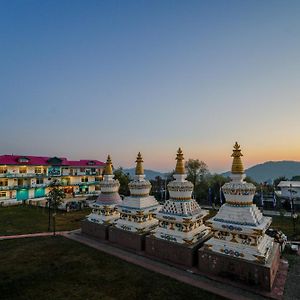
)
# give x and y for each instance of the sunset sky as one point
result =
(82, 79)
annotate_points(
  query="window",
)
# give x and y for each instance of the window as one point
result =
(39, 181)
(2, 194)
(22, 170)
(84, 179)
(23, 160)
(4, 182)
(82, 169)
(3, 170)
(38, 170)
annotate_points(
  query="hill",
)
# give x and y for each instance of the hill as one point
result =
(150, 174)
(271, 170)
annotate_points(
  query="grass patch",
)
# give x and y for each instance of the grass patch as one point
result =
(285, 224)
(57, 268)
(30, 219)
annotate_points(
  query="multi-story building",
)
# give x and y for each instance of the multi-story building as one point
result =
(290, 193)
(28, 177)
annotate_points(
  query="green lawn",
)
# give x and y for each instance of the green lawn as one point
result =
(285, 224)
(57, 268)
(27, 219)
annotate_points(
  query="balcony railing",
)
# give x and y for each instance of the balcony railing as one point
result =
(44, 185)
(40, 185)
(22, 175)
(4, 188)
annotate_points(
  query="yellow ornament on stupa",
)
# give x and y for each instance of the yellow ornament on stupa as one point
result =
(139, 170)
(180, 169)
(108, 167)
(237, 164)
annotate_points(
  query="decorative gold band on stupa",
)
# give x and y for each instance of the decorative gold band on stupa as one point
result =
(108, 167)
(237, 165)
(180, 163)
(139, 170)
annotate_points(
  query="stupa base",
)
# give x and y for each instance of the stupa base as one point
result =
(95, 230)
(127, 239)
(180, 254)
(238, 269)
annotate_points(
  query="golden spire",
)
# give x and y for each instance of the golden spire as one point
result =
(108, 167)
(139, 170)
(237, 165)
(180, 162)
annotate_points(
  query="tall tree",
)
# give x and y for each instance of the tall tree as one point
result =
(124, 180)
(277, 180)
(215, 182)
(196, 170)
(54, 198)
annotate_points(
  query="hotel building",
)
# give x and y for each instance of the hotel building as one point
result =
(28, 177)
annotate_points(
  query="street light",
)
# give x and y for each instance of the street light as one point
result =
(293, 214)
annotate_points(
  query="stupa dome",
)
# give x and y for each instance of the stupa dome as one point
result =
(109, 186)
(238, 192)
(180, 189)
(139, 187)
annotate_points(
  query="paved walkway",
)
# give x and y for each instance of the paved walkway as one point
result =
(188, 276)
(29, 235)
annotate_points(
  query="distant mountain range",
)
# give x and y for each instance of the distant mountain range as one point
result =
(271, 170)
(266, 171)
(150, 174)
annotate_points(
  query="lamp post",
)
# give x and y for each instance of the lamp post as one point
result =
(293, 214)
(166, 177)
(49, 210)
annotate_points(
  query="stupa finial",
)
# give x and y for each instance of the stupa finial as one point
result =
(180, 162)
(139, 170)
(237, 165)
(108, 167)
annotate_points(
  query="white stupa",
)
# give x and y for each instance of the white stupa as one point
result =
(181, 218)
(137, 211)
(239, 226)
(104, 209)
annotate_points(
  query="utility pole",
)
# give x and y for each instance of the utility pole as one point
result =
(293, 214)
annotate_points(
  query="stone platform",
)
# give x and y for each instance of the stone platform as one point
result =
(130, 240)
(252, 273)
(180, 254)
(95, 230)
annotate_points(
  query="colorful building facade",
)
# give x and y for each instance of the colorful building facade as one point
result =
(28, 177)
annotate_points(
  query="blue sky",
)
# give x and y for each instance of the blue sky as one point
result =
(85, 78)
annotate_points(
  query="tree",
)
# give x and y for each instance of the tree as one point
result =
(196, 170)
(124, 180)
(277, 180)
(54, 198)
(250, 180)
(215, 182)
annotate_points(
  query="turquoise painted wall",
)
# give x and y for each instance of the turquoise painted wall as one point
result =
(40, 192)
(22, 194)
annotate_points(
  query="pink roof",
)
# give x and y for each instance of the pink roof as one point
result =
(44, 160)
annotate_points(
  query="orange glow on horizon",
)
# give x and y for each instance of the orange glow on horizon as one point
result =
(218, 161)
